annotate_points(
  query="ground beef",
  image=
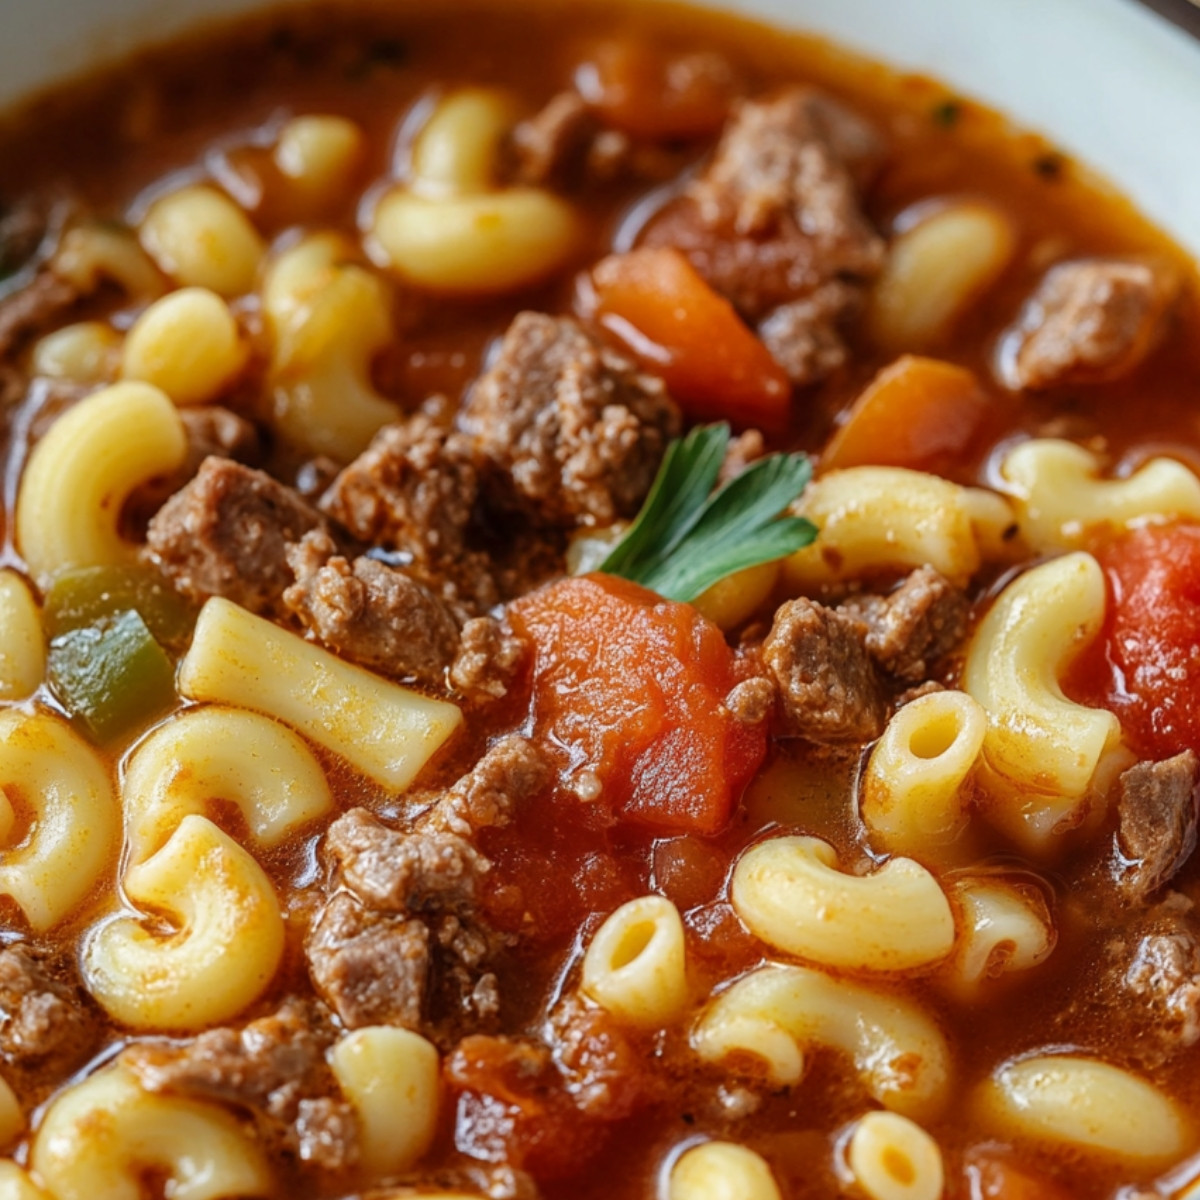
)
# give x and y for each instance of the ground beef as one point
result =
(568, 431)
(274, 1068)
(212, 429)
(369, 612)
(752, 701)
(490, 657)
(1157, 809)
(510, 774)
(804, 336)
(601, 1068)
(36, 308)
(1090, 320)
(45, 1023)
(1163, 979)
(746, 448)
(914, 626)
(826, 678)
(562, 145)
(226, 534)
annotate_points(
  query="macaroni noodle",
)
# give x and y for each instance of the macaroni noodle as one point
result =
(22, 639)
(1004, 928)
(721, 1171)
(892, 1158)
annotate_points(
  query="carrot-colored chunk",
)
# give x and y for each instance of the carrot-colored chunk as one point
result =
(659, 306)
(915, 413)
(629, 689)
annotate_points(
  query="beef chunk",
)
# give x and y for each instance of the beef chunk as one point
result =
(274, 1068)
(551, 147)
(826, 679)
(371, 969)
(513, 771)
(1164, 978)
(914, 626)
(36, 308)
(1157, 809)
(776, 218)
(803, 336)
(212, 429)
(752, 701)
(602, 1070)
(369, 612)
(746, 448)
(226, 534)
(569, 431)
(490, 656)
(1090, 320)
(44, 1022)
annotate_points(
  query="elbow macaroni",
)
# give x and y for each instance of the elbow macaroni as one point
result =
(387, 731)
(74, 817)
(22, 639)
(81, 472)
(914, 788)
(890, 1157)
(1059, 495)
(721, 1171)
(790, 893)
(318, 156)
(88, 352)
(635, 966)
(775, 1011)
(1043, 753)
(102, 1136)
(222, 952)
(12, 1118)
(1004, 928)
(90, 254)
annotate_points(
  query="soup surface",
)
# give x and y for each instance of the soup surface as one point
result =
(372, 826)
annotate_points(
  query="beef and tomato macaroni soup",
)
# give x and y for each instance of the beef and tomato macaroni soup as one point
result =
(596, 603)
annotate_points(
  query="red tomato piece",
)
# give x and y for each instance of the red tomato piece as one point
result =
(629, 689)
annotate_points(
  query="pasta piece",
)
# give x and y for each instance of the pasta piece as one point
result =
(387, 731)
(1060, 496)
(22, 640)
(319, 156)
(188, 344)
(216, 753)
(73, 817)
(458, 147)
(1004, 928)
(913, 790)
(934, 270)
(88, 255)
(12, 1118)
(15, 1183)
(88, 352)
(1069, 1100)
(774, 1012)
(201, 238)
(81, 472)
(721, 1171)
(635, 966)
(1043, 754)
(392, 1078)
(892, 1158)
(877, 518)
(790, 893)
(329, 319)
(103, 1136)
(735, 599)
(221, 954)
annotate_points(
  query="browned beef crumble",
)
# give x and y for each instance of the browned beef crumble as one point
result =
(912, 627)
(1157, 809)
(35, 308)
(213, 430)
(369, 612)
(747, 447)
(567, 430)
(490, 658)
(274, 1068)
(804, 336)
(753, 700)
(550, 149)
(226, 534)
(1161, 984)
(827, 681)
(1090, 320)
(599, 1065)
(45, 1022)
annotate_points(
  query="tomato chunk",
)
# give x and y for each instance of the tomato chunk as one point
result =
(660, 307)
(629, 689)
(1147, 667)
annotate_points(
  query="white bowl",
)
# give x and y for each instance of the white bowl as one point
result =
(1107, 80)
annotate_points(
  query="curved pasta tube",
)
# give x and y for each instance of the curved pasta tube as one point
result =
(458, 147)
(886, 518)
(775, 1011)
(913, 790)
(220, 753)
(391, 1077)
(1042, 752)
(22, 640)
(790, 893)
(893, 1158)
(15, 1183)
(1070, 1100)
(1004, 928)
(12, 1118)
(635, 966)
(721, 1171)
(329, 319)
(102, 1137)
(318, 156)
(75, 822)
(81, 472)
(222, 953)
(1060, 496)
(90, 254)
(87, 352)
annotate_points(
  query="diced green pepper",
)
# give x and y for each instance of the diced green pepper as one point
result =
(85, 596)
(112, 676)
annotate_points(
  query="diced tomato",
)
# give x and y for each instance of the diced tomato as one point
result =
(662, 309)
(914, 413)
(1146, 668)
(629, 689)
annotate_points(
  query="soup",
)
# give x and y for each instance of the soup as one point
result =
(597, 601)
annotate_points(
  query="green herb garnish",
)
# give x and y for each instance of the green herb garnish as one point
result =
(947, 113)
(686, 538)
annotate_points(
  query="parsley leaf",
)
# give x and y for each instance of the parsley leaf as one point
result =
(686, 538)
